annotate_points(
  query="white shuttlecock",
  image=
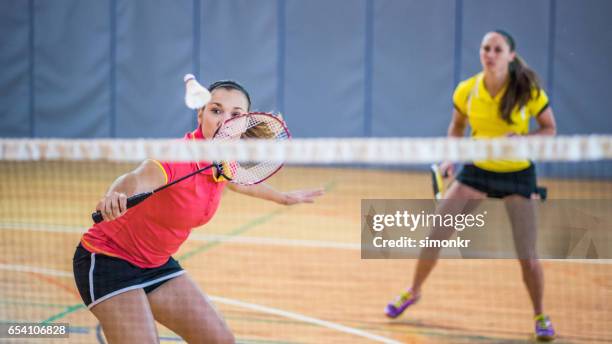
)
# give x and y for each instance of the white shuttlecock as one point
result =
(196, 95)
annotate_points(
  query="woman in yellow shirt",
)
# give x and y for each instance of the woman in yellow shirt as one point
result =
(499, 101)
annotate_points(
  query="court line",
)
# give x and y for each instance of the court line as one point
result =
(276, 241)
(68, 310)
(233, 234)
(302, 318)
(227, 301)
(26, 268)
(233, 237)
(43, 274)
(13, 302)
(40, 275)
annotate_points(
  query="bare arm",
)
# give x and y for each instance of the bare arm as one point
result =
(546, 123)
(266, 192)
(146, 177)
(458, 123)
(456, 128)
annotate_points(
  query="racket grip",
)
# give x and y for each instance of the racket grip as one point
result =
(131, 201)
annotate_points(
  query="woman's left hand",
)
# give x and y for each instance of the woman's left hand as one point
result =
(301, 196)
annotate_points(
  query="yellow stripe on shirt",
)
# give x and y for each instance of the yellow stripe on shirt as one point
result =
(163, 171)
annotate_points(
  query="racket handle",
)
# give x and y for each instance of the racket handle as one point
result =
(131, 201)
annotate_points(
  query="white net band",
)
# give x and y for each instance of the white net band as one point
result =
(319, 151)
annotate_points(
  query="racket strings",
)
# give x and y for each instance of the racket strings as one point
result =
(256, 126)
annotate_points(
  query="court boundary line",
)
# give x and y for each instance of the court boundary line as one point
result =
(228, 238)
(237, 303)
(35, 269)
(302, 318)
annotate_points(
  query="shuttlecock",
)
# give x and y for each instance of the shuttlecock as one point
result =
(196, 95)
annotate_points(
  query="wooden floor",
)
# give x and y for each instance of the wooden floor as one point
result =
(294, 274)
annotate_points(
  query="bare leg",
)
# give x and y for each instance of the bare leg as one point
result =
(127, 318)
(183, 308)
(459, 198)
(524, 230)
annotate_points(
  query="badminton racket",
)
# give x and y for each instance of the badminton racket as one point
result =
(254, 125)
(437, 181)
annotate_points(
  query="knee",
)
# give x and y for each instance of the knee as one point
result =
(216, 335)
(530, 265)
(225, 337)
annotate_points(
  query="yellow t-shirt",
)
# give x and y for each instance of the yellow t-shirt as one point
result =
(472, 99)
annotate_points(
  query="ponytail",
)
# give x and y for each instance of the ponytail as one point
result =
(523, 80)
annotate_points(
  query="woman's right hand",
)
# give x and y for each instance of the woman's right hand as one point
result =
(447, 169)
(112, 205)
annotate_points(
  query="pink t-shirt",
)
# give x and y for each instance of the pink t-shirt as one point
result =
(149, 233)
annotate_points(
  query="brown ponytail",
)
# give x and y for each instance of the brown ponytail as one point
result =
(522, 81)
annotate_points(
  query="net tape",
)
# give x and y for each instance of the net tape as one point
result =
(317, 151)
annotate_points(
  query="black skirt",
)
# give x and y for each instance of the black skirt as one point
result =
(99, 277)
(500, 184)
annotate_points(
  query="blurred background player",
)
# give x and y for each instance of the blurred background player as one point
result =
(497, 102)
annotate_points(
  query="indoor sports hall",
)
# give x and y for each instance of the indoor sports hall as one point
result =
(360, 99)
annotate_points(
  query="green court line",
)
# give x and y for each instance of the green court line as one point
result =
(249, 225)
(68, 310)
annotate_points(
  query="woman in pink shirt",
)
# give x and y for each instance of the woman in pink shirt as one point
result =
(123, 266)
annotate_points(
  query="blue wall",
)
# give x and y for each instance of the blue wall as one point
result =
(113, 68)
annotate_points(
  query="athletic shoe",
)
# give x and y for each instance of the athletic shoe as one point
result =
(397, 307)
(544, 330)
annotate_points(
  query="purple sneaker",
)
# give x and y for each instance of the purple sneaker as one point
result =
(544, 330)
(397, 307)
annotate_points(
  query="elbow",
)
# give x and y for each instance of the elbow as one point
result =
(456, 131)
(130, 184)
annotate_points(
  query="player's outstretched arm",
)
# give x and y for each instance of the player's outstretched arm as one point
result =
(266, 192)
